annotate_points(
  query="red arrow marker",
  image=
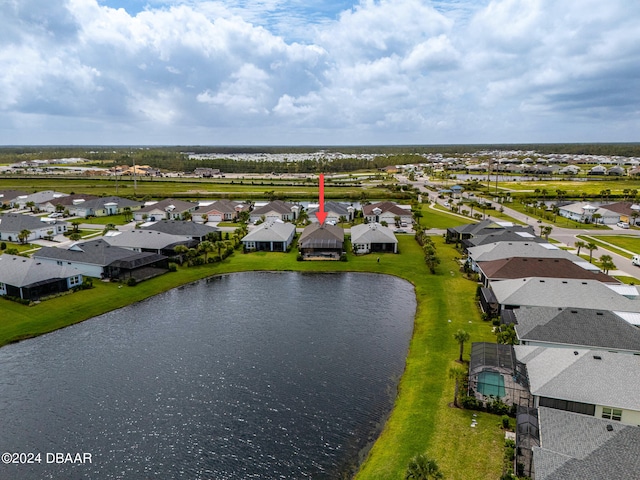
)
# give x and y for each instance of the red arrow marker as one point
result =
(321, 215)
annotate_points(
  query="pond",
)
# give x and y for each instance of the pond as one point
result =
(249, 375)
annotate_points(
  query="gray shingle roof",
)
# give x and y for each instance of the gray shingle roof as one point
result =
(579, 447)
(613, 380)
(181, 227)
(94, 252)
(15, 222)
(322, 236)
(180, 206)
(21, 271)
(557, 292)
(146, 239)
(500, 250)
(332, 207)
(270, 232)
(276, 206)
(579, 327)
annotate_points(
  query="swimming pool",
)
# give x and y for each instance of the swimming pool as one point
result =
(491, 383)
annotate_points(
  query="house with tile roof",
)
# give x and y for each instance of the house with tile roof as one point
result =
(321, 242)
(168, 209)
(98, 259)
(598, 383)
(373, 237)
(271, 236)
(30, 279)
(575, 328)
(220, 211)
(628, 211)
(387, 212)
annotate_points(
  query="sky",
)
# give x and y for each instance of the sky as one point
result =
(311, 72)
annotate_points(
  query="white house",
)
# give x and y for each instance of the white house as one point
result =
(373, 237)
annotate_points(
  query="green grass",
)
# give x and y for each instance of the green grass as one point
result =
(115, 219)
(421, 419)
(593, 186)
(625, 242)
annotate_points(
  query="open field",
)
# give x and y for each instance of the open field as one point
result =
(421, 420)
(610, 242)
(573, 188)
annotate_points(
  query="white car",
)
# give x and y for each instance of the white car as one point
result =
(446, 204)
(623, 224)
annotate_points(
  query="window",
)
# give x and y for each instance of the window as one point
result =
(612, 413)
(74, 280)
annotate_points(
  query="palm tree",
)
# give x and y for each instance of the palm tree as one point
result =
(127, 214)
(461, 336)
(421, 467)
(580, 244)
(591, 247)
(180, 250)
(220, 245)
(457, 373)
(30, 206)
(24, 235)
(545, 231)
(205, 247)
(606, 262)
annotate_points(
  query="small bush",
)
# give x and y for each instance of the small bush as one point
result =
(471, 403)
(3, 246)
(173, 267)
(132, 282)
(506, 422)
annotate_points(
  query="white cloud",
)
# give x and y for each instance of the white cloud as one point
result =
(383, 71)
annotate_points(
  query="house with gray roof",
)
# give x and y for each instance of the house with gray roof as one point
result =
(7, 196)
(487, 227)
(271, 236)
(503, 250)
(276, 210)
(321, 242)
(168, 209)
(103, 206)
(29, 279)
(575, 328)
(149, 241)
(373, 237)
(99, 259)
(584, 212)
(590, 382)
(578, 447)
(335, 211)
(560, 293)
(11, 224)
(193, 230)
(37, 198)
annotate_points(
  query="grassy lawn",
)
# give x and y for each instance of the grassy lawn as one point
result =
(421, 421)
(115, 219)
(593, 186)
(626, 242)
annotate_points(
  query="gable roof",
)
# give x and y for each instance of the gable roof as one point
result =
(506, 235)
(224, 206)
(372, 233)
(94, 252)
(522, 267)
(147, 239)
(332, 207)
(270, 232)
(595, 377)
(180, 227)
(579, 327)
(276, 206)
(557, 292)
(502, 249)
(169, 203)
(385, 207)
(577, 447)
(22, 271)
(7, 196)
(623, 208)
(15, 222)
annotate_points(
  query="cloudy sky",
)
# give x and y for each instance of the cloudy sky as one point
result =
(312, 72)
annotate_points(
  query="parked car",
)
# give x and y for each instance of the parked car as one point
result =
(623, 224)
(446, 204)
(636, 260)
(55, 215)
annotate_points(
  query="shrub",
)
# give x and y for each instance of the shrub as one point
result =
(471, 403)
(506, 422)
(132, 282)
(173, 267)
(3, 246)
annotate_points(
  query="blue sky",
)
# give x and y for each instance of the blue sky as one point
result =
(295, 72)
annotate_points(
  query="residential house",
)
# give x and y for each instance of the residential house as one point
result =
(569, 170)
(276, 210)
(616, 171)
(590, 382)
(388, 212)
(21, 201)
(272, 236)
(584, 212)
(30, 279)
(597, 170)
(523, 267)
(373, 237)
(335, 212)
(321, 242)
(192, 230)
(7, 196)
(506, 235)
(149, 241)
(99, 259)
(168, 209)
(575, 328)
(628, 211)
(503, 250)
(571, 446)
(80, 205)
(11, 224)
(486, 227)
(220, 211)
(561, 293)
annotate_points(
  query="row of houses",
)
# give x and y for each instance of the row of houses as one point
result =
(604, 213)
(573, 373)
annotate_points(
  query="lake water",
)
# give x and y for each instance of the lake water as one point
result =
(250, 375)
